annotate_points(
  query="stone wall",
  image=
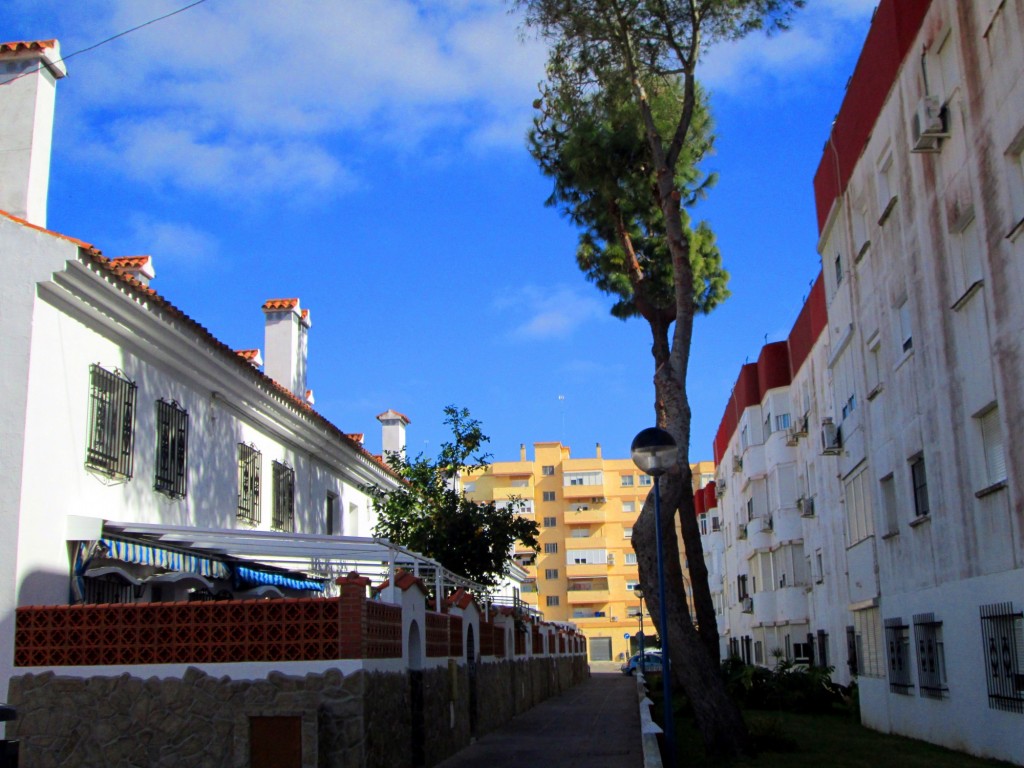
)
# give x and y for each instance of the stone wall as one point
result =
(364, 719)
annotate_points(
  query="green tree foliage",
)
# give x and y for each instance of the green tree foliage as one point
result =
(429, 515)
(592, 144)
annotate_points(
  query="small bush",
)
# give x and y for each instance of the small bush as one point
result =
(788, 687)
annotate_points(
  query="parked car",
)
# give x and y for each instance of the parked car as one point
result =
(652, 663)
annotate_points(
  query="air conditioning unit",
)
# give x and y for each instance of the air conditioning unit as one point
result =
(747, 604)
(741, 533)
(737, 464)
(615, 618)
(806, 506)
(929, 125)
(800, 426)
(831, 438)
(720, 488)
(611, 558)
(769, 524)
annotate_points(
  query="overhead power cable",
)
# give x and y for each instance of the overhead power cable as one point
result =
(110, 39)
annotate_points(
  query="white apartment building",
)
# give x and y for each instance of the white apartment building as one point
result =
(915, 480)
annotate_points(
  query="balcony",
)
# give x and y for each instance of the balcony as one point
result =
(583, 570)
(583, 492)
(589, 542)
(591, 516)
(587, 596)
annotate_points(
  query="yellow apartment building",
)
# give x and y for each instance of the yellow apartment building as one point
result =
(585, 508)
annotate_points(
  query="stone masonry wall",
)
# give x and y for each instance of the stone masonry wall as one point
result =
(364, 719)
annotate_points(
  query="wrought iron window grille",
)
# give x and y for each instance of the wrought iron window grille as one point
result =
(111, 423)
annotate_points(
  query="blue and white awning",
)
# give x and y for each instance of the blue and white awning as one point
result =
(248, 576)
(144, 554)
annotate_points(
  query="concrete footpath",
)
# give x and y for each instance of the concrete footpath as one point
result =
(594, 725)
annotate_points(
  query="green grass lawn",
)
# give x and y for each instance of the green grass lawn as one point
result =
(790, 740)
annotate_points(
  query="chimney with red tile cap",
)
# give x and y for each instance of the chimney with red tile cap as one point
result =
(393, 431)
(28, 83)
(285, 343)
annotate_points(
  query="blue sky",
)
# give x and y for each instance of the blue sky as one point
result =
(369, 158)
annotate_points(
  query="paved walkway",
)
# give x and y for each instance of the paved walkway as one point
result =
(594, 725)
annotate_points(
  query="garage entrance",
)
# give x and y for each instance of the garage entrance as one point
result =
(600, 649)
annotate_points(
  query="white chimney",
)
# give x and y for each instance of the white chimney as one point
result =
(285, 343)
(393, 431)
(28, 83)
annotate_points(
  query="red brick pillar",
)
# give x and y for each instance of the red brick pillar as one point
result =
(352, 616)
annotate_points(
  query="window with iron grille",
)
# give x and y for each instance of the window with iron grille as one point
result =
(111, 423)
(171, 449)
(1002, 631)
(931, 656)
(897, 646)
(250, 464)
(284, 497)
(822, 660)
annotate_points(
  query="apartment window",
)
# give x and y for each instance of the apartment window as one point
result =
(782, 421)
(626, 481)
(631, 558)
(284, 497)
(992, 445)
(1015, 182)
(873, 367)
(906, 338)
(645, 479)
(249, 483)
(966, 266)
(632, 611)
(550, 522)
(627, 533)
(822, 648)
(1002, 631)
(897, 647)
(171, 449)
(741, 587)
(889, 505)
(860, 520)
(839, 270)
(583, 478)
(331, 514)
(750, 509)
(547, 470)
(629, 506)
(886, 178)
(548, 496)
(931, 656)
(767, 426)
(580, 533)
(111, 423)
(632, 584)
(552, 601)
(819, 563)
(920, 482)
(703, 521)
(551, 548)
(869, 643)
(550, 573)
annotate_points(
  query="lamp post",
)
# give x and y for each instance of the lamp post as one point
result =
(654, 452)
(640, 593)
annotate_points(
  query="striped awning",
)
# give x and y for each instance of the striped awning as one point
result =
(253, 576)
(144, 554)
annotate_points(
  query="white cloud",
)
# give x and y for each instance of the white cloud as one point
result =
(168, 242)
(817, 32)
(550, 313)
(286, 93)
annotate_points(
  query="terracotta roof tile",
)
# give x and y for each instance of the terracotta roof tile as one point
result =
(393, 414)
(249, 355)
(275, 305)
(27, 45)
(154, 302)
(130, 262)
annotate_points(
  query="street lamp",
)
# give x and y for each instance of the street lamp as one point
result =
(654, 452)
(640, 593)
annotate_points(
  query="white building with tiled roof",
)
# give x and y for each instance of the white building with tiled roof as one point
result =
(118, 411)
